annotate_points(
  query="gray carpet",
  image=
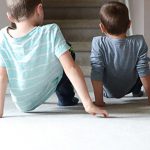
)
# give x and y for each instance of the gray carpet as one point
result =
(70, 128)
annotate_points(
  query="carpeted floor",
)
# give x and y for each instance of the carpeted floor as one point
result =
(50, 127)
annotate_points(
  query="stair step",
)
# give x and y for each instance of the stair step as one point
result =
(69, 9)
(78, 30)
(72, 13)
(80, 35)
(89, 84)
(79, 22)
(83, 58)
(71, 3)
(86, 70)
(81, 46)
(75, 23)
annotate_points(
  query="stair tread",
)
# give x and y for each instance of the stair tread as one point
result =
(83, 58)
(81, 46)
(70, 3)
(76, 23)
(78, 30)
(79, 22)
(86, 70)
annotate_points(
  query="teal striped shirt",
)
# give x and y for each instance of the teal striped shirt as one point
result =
(32, 64)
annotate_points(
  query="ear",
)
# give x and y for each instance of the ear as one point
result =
(102, 28)
(39, 9)
(129, 25)
(10, 18)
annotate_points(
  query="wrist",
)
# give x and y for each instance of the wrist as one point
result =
(100, 104)
(87, 104)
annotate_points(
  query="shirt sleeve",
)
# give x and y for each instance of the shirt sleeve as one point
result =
(97, 62)
(60, 45)
(142, 66)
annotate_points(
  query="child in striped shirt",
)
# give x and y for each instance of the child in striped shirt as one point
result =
(32, 60)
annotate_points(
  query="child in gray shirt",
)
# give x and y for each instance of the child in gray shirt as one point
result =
(119, 63)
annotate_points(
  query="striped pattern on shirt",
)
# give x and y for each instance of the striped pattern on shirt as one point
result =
(32, 64)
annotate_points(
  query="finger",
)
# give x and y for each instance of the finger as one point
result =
(104, 113)
(93, 114)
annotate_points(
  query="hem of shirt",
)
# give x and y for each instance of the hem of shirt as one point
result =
(65, 48)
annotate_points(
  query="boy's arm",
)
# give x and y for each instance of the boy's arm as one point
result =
(76, 77)
(98, 92)
(3, 86)
(146, 83)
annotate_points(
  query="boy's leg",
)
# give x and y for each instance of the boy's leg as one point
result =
(136, 90)
(65, 91)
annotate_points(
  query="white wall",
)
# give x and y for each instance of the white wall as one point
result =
(140, 10)
(137, 16)
(3, 18)
(147, 21)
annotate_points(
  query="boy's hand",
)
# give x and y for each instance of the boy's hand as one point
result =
(146, 83)
(93, 109)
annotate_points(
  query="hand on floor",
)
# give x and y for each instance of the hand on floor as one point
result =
(94, 110)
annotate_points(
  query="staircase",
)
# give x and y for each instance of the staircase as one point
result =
(79, 22)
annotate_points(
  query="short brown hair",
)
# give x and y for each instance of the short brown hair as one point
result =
(115, 17)
(20, 9)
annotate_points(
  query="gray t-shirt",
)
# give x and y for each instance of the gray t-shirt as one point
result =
(118, 63)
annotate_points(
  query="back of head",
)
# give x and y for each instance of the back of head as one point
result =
(22, 9)
(115, 17)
